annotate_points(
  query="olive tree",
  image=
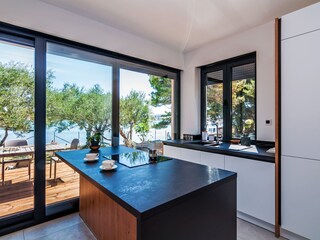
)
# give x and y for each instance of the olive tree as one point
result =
(134, 115)
(16, 98)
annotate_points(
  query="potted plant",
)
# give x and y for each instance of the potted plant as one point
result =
(94, 141)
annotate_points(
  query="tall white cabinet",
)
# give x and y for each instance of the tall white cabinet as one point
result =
(300, 124)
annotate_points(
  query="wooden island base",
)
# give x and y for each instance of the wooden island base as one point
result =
(104, 217)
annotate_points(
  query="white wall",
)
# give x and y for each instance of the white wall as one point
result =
(259, 39)
(39, 16)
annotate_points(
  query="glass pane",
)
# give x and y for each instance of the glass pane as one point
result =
(79, 104)
(214, 105)
(145, 109)
(243, 101)
(16, 128)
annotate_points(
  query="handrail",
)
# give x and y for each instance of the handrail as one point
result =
(61, 139)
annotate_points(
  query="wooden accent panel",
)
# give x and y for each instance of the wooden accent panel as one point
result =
(105, 218)
(277, 126)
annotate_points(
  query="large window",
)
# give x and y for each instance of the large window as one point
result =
(228, 97)
(55, 93)
(146, 107)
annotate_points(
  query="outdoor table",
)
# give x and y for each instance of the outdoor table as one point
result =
(24, 150)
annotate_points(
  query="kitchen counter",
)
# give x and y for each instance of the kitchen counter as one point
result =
(188, 200)
(251, 152)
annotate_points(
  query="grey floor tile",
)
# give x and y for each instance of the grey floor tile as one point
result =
(13, 236)
(248, 231)
(53, 226)
(72, 227)
(78, 231)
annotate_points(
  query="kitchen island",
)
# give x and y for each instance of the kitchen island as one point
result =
(172, 199)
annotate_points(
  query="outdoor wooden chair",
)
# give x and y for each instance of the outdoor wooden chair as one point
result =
(21, 161)
(54, 159)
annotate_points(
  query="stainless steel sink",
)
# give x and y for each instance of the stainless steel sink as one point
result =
(203, 143)
(221, 145)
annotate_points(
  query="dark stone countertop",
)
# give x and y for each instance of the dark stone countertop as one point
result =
(148, 189)
(254, 152)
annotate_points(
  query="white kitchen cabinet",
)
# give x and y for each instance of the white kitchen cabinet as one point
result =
(174, 152)
(300, 95)
(190, 155)
(300, 22)
(212, 159)
(255, 187)
(182, 153)
(204, 158)
(300, 196)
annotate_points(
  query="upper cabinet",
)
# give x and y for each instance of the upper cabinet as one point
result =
(300, 71)
(300, 84)
(301, 21)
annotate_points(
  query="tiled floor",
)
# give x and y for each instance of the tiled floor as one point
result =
(71, 227)
(248, 231)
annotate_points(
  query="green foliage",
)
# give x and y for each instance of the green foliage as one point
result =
(74, 106)
(66, 108)
(134, 115)
(162, 91)
(243, 106)
(161, 96)
(142, 129)
(164, 121)
(16, 98)
(215, 102)
(95, 137)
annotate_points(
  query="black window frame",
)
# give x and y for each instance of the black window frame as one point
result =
(226, 66)
(39, 40)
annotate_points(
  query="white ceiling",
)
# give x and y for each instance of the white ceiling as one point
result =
(183, 25)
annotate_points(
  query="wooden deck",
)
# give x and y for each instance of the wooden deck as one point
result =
(16, 195)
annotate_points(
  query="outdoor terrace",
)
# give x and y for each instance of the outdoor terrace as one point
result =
(16, 194)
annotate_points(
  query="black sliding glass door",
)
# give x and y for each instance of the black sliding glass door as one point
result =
(78, 104)
(17, 87)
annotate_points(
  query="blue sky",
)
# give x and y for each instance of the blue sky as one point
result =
(10, 52)
(82, 73)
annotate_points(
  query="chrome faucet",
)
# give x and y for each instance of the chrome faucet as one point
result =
(217, 127)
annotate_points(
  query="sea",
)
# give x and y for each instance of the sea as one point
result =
(65, 137)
